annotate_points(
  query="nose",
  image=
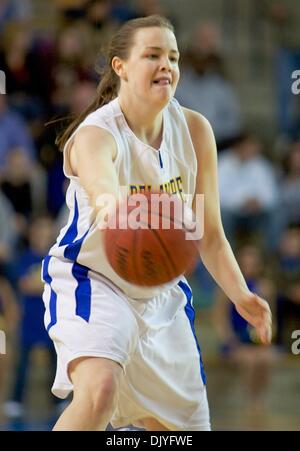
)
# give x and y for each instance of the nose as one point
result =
(165, 64)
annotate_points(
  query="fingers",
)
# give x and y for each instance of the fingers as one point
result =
(266, 336)
(265, 329)
(258, 313)
(264, 304)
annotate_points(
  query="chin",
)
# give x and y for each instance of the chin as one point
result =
(163, 99)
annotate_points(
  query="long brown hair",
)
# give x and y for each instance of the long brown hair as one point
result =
(108, 87)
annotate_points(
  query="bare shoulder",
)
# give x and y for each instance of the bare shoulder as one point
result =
(92, 142)
(200, 129)
(196, 120)
(91, 138)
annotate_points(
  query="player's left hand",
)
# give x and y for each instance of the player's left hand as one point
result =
(257, 312)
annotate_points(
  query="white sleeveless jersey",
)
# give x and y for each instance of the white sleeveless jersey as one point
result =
(140, 167)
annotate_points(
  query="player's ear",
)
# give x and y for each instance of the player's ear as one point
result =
(118, 66)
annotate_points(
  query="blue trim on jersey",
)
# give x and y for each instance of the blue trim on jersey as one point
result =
(190, 312)
(72, 231)
(53, 298)
(72, 250)
(83, 291)
(73, 247)
(160, 160)
(79, 272)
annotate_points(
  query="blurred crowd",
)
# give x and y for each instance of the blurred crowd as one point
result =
(51, 73)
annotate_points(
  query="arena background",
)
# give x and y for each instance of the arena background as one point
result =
(239, 59)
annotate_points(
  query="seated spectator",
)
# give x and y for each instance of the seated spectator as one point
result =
(284, 17)
(248, 191)
(82, 95)
(13, 133)
(238, 342)
(288, 210)
(14, 10)
(149, 7)
(26, 57)
(7, 231)
(288, 301)
(73, 63)
(24, 185)
(9, 316)
(32, 332)
(101, 24)
(71, 10)
(121, 11)
(290, 186)
(203, 87)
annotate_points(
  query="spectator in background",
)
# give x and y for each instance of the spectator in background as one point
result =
(149, 7)
(101, 23)
(288, 302)
(239, 343)
(285, 21)
(248, 191)
(121, 11)
(70, 10)
(288, 210)
(13, 133)
(73, 64)
(9, 315)
(21, 69)
(7, 232)
(82, 95)
(290, 186)
(204, 88)
(23, 183)
(26, 57)
(32, 332)
(14, 10)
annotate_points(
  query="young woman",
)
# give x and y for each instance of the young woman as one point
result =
(130, 354)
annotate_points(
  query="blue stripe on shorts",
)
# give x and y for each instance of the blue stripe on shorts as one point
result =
(53, 297)
(83, 291)
(190, 312)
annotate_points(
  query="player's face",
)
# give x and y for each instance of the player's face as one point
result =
(152, 71)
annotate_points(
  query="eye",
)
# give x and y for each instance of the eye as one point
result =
(152, 56)
(173, 59)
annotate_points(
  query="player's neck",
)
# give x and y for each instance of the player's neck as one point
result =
(145, 124)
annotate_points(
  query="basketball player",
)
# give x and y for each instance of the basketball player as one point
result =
(129, 354)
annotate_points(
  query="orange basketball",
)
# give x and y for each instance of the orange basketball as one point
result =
(146, 240)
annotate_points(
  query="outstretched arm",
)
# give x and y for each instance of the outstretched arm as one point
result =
(92, 158)
(215, 250)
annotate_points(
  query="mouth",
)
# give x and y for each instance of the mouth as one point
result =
(163, 81)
